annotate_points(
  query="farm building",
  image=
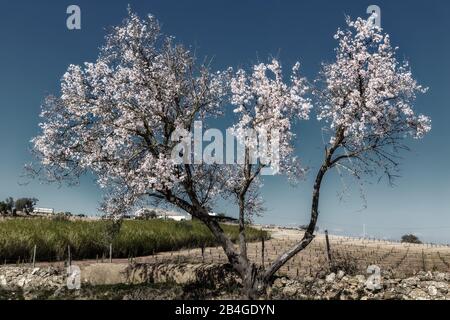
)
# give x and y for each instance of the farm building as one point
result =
(173, 215)
(161, 214)
(43, 210)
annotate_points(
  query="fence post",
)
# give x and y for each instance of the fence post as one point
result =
(69, 256)
(34, 256)
(110, 253)
(328, 247)
(262, 251)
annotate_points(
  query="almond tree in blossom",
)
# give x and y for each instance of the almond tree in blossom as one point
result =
(366, 101)
(117, 117)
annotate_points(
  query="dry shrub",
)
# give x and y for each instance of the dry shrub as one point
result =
(345, 262)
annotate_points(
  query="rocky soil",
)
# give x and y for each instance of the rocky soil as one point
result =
(422, 286)
(30, 283)
(50, 283)
(14, 278)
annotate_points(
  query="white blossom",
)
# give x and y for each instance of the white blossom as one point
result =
(265, 103)
(115, 116)
(368, 92)
(265, 106)
(367, 100)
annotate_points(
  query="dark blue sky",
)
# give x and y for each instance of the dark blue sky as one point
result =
(36, 49)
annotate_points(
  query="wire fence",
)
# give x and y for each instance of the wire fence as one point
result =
(399, 258)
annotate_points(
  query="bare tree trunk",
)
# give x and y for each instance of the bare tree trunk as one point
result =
(242, 238)
(235, 259)
(309, 233)
(241, 197)
(252, 276)
(253, 282)
(256, 280)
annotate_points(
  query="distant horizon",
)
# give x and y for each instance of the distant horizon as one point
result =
(320, 230)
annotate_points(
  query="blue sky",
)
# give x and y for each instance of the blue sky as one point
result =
(36, 48)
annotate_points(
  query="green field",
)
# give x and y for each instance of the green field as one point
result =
(91, 239)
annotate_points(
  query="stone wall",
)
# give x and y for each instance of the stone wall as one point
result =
(422, 286)
(23, 278)
(339, 286)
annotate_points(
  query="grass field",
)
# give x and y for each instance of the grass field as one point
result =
(91, 239)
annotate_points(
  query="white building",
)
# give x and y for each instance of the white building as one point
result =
(172, 215)
(44, 210)
(163, 214)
